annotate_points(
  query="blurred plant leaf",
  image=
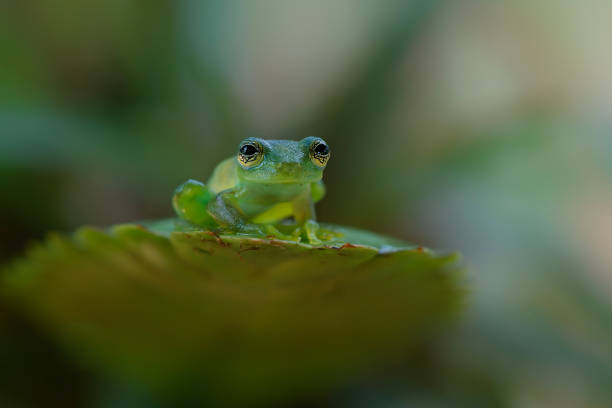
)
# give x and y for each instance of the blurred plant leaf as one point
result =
(355, 109)
(28, 358)
(230, 318)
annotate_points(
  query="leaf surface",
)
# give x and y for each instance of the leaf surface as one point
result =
(200, 314)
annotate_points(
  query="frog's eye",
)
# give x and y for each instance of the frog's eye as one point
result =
(319, 153)
(250, 154)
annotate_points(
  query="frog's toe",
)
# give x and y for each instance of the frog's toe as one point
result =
(314, 240)
(311, 229)
(248, 229)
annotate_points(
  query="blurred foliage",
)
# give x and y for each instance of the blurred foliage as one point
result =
(226, 319)
(483, 126)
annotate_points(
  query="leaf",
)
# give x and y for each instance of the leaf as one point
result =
(230, 318)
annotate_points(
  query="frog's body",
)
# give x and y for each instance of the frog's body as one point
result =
(267, 182)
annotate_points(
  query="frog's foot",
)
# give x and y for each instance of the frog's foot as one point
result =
(262, 231)
(295, 236)
(310, 229)
(316, 235)
(310, 232)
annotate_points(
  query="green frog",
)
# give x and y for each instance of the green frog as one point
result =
(263, 185)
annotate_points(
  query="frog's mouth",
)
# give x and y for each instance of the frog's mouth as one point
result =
(300, 181)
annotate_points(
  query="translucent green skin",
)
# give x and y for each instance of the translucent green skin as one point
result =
(251, 200)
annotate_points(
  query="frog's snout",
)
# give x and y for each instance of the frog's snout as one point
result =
(289, 165)
(288, 168)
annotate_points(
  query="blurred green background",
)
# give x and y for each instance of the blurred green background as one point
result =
(472, 125)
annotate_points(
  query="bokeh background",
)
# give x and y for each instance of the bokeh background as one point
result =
(472, 125)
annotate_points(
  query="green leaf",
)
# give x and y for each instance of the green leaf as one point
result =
(232, 318)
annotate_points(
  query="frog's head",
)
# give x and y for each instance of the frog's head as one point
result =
(282, 161)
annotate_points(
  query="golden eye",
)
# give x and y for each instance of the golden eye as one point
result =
(319, 153)
(250, 154)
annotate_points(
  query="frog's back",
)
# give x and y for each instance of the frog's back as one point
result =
(224, 176)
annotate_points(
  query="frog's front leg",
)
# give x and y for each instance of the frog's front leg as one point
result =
(190, 201)
(223, 210)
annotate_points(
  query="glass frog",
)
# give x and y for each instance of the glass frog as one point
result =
(254, 192)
